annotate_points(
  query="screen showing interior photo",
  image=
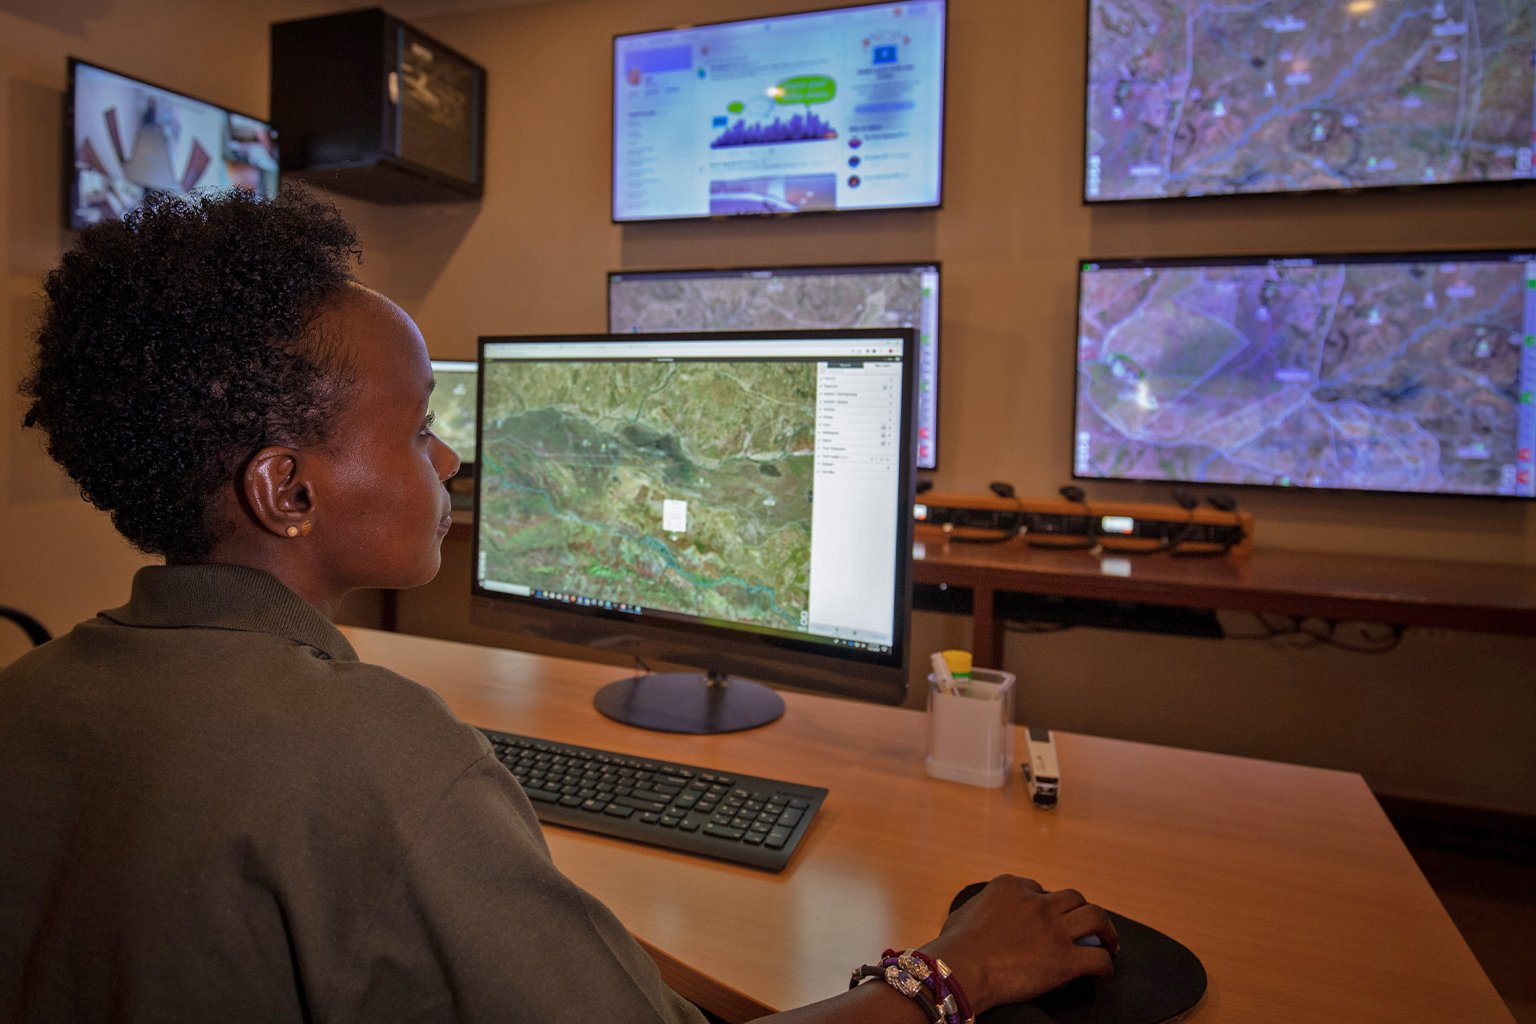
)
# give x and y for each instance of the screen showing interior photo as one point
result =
(828, 110)
(1187, 98)
(1408, 373)
(130, 138)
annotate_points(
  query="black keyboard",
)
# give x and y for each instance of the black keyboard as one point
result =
(734, 817)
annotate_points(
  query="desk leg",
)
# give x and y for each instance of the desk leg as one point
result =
(986, 632)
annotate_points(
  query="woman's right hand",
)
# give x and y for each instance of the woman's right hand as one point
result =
(1014, 941)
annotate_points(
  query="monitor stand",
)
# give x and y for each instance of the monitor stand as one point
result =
(696, 702)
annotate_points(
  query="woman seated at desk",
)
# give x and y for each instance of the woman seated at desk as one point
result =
(212, 810)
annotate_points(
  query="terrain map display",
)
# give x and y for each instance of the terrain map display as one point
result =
(1379, 376)
(669, 485)
(1192, 97)
(785, 302)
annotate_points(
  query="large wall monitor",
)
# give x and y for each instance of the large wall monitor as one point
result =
(788, 298)
(128, 138)
(1408, 373)
(1188, 98)
(840, 109)
(739, 503)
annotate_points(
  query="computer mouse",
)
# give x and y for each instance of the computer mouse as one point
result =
(1156, 979)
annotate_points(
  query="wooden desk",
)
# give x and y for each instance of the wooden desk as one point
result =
(1347, 588)
(1288, 882)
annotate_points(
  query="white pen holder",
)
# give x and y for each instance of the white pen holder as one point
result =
(970, 729)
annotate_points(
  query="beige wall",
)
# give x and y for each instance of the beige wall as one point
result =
(531, 257)
(59, 558)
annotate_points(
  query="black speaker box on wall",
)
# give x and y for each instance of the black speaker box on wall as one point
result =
(370, 107)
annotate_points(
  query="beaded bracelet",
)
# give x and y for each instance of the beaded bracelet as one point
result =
(902, 982)
(923, 978)
(946, 988)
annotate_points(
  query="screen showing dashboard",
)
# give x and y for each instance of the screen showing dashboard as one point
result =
(789, 298)
(742, 500)
(839, 109)
(128, 138)
(1403, 372)
(1187, 98)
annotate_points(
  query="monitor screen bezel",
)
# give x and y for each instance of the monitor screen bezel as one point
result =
(807, 664)
(942, 143)
(70, 177)
(810, 269)
(1333, 191)
(1418, 256)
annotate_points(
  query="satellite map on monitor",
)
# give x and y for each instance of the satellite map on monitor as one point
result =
(699, 503)
(1377, 375)
(453, 406)
(1193, 98)
(794, 298)
(786, 301)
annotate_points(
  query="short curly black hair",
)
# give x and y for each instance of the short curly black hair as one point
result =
(177, 342)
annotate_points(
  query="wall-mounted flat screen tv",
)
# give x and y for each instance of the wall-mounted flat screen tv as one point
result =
(1187, 98)
(839, 109)
(128, 138)
(790, 298)
(1402, 372)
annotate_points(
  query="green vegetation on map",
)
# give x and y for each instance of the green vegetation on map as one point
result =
(453, 411)
(673, 485)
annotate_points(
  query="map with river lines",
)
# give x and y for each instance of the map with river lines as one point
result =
(669, 485)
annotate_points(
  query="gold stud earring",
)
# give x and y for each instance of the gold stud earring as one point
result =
(305, 527)
(292, 531)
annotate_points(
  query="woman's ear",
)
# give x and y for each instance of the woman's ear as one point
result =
(277, 491)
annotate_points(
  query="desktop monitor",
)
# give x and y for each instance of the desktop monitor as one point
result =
(1186, 98)
(1386, 372)
(128, 138)
(785, 298)
(453, 403)
(738, 503)
(839, 109)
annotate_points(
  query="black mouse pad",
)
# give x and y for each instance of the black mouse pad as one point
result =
(1156, 979)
